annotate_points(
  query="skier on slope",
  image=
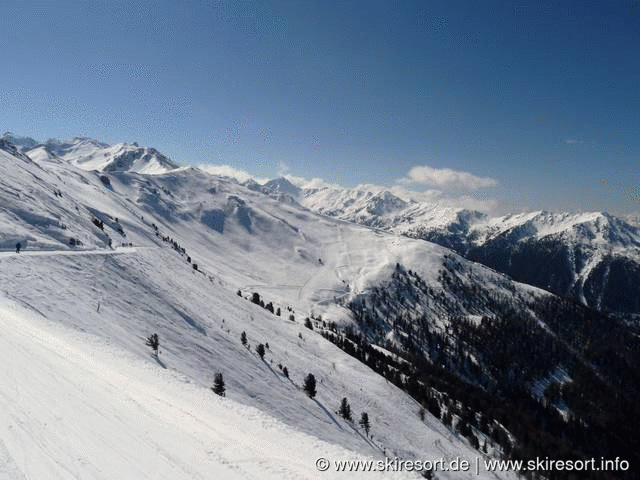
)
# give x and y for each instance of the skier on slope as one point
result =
(18, 247)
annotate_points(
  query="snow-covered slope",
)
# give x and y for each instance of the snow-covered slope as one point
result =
(36, 212)
(89, 154)
(593, 227)
(76, 407)
(365, 205)
(593, 257)
(240, 240)
(375, 206)
(76, 148)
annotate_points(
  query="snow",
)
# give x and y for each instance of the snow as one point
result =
(95, 393)
(82, 397)
(595, 227)
(558, 375)
(89, 154)
(123, 157)
(84, 313)
(75, 408)
(591, 239)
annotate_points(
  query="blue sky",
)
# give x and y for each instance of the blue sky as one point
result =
(530, 106)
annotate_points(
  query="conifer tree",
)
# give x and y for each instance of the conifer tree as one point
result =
(243, 338)
(364, 422)
(260, 351)
(153, 342)
(345, 409)
(310, 385)
(255, 298)
(218, 385)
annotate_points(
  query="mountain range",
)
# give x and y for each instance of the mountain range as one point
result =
(455, 332)
(591, 257)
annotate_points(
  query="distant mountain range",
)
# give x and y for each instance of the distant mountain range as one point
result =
(591, 257)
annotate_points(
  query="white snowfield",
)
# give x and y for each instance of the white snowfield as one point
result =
(99, 405)
(74, 408)
(81, 397)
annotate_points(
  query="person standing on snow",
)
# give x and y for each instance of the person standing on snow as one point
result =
(18, 247)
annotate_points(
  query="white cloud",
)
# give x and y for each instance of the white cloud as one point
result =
(446, 178)
(314, 183)
(443, 199)
(573, 141)
(229, 171)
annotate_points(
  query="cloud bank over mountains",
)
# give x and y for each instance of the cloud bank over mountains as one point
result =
(446, 178)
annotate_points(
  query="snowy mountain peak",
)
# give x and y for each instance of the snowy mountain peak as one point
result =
(281, 186)
(363, 204)
(21, 143)
(12, 149)
(384, 202)
(126, 157)
(76, 147)
(90, 154)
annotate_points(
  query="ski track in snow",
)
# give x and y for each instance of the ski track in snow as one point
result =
(33, 253)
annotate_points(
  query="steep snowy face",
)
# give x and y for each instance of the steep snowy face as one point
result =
(89, 154)
(40, 154)
(592, 257)
(375, 206)
(372, 207)
(9, 148)
(281, 186)
(587, 228)
(41, 211)
(75, 148)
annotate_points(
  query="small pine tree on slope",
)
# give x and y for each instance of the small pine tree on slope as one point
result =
(364, 422)
(310, 385)
(153, 342)
(345, 409)
(218, 385)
